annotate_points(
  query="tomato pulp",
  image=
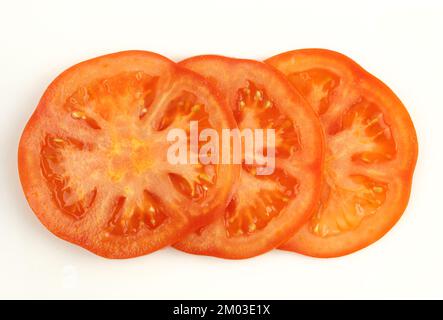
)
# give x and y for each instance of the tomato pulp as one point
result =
(266, 209)
(371, 151)
(92, 158)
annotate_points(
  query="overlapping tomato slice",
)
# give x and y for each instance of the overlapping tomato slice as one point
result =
(92, 158)
(371, 151)
(266, 209)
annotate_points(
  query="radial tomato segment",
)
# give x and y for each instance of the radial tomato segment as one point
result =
(148, 212)
(111, 99)
(344, 207)
(258, 201)
(254, 109)
(317, 85)
(70, 197)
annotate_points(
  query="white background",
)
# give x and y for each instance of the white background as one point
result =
(400, 42)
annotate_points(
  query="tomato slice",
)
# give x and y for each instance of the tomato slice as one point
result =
(371, 151)
(93, 161)
(266, 209)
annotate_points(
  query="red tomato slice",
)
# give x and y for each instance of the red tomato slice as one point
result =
(370, 156)
(266, 209)
(92, 158)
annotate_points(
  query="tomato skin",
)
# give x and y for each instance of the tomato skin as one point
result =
(228, 75)
(89, 232)
(397, 171)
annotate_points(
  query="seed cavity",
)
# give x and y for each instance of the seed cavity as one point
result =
(128, 219)
(344, 209)
(68, 197)
(253, 208)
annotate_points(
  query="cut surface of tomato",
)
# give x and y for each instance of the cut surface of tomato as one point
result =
(371, 151)
(266, 209)
(93, 157)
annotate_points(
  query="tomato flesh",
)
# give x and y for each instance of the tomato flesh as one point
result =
(93, 160)
(371, 150)
(265, 209)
